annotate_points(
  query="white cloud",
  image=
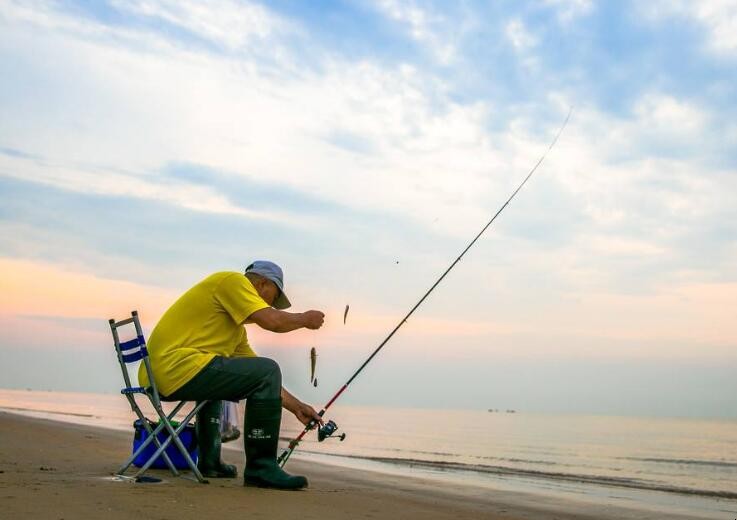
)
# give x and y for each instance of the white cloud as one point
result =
(118, 108)
(569, 10)
(519, 35)
(618, 158)
(422, 26)
(667, 124)
(230, 23)
(136, 109)
(107, 182)
(668, 112)
(719, 17)
(118, 105)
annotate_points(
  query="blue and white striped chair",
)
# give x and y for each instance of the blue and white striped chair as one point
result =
(130, 352)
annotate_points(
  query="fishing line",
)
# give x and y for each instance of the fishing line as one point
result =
(329, 428)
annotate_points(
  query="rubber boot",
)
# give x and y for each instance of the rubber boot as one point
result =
(263, 419)
(209, 443)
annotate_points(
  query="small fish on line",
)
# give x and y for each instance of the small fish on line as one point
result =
(345, 313)
(313, 363)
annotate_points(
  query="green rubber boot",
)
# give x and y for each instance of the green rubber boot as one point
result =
(209, 443)
(263, 419)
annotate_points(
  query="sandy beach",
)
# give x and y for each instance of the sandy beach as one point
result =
(53, 470)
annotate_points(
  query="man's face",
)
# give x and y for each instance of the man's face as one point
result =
(268, 291)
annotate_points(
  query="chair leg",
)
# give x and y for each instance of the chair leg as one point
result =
(164, 455)
(174, 437)
(152, 437)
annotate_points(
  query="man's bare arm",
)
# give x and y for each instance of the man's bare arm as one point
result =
(281, 321)
(302, 411)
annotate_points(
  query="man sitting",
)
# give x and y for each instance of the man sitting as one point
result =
(199, 351)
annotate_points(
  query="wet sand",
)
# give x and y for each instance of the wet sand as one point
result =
(53, 470)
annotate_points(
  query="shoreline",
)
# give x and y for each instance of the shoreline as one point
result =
(530, 480)
(51, 469)
(502, 471)
(433, 468)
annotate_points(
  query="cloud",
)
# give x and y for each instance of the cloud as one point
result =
(423, 25)
(309, 132)
(146, 144)
(44, 13)
(622, 246)
(519, 35)
(106, 182)
(668, 114)
(162, 106)
(569, 10)
(625, 204)
(351, 163)
(158, 243)
(231, 24)
(718, 17)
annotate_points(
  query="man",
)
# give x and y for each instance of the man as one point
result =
(199, 351)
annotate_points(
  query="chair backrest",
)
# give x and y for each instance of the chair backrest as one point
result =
(131, 351)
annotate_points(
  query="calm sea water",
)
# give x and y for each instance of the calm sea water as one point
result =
(688, 464)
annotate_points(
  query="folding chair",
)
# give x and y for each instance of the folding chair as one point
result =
(130, 352)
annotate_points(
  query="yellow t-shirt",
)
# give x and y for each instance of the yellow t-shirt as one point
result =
(205, 322)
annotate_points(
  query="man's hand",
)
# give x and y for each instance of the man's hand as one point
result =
(313, 319)
(302, 411)
(305, 413)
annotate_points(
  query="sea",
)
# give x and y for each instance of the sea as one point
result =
(668, 466)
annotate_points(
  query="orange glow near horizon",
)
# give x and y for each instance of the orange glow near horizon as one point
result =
(37, 288)
(693, 321)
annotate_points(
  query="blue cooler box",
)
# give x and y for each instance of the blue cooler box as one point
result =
(187, 436)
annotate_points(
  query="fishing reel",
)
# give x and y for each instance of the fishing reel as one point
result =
(327, 430)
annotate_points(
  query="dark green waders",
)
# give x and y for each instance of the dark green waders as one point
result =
(263, 419)
(209, 443)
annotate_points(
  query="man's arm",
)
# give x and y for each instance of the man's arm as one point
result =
(302, 411)
(281, 321)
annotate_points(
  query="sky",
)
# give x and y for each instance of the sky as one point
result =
(361, 145)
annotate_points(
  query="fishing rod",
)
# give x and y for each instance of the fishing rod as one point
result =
(327, 430)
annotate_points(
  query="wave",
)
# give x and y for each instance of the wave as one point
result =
(54, 412)
(625, 482)
(688, 462)
(439, 453)
(444, 454)
(480, 457)
(523, 461)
